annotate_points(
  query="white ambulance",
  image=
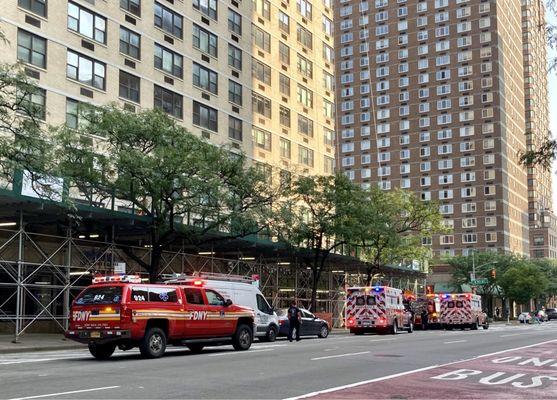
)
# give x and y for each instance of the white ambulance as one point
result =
(462, 310)
(242, 291)
(376, 308)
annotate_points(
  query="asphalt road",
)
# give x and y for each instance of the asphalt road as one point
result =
(268, 370)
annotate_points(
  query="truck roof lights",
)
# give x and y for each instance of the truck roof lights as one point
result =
(117, 279)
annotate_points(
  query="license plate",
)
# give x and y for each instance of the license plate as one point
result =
(367, 323)
(95, 334)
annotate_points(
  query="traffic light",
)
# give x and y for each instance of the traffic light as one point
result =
(494, 273)
(429, 289)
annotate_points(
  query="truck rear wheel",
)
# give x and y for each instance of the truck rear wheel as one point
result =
(153, 344)
(242, 338)
(101, 351)
(271, 335)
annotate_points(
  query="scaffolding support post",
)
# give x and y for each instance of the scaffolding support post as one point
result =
(66, 307)
(19, 289)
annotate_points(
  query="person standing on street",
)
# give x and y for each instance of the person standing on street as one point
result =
(424, 316)
(294, 320)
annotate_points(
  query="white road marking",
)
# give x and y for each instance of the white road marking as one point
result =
(340, 355)
(455, 341)
(381, 340)
(64, 393)
(268, 346)
(512, 334)
(239, 352)
(383, 378)
(24, 361)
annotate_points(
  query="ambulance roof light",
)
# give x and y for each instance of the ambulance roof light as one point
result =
(377, 288)
(198, 282)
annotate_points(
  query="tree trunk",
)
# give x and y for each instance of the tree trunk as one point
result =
(155, 266)
(370, 271)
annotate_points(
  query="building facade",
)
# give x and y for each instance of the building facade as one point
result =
(543, 223)
(254, 75)
(432, 98)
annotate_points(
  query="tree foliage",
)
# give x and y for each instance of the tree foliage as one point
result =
(317, 214)
(523, 282)
(391, 226)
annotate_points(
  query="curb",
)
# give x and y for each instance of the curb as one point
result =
(28, 349)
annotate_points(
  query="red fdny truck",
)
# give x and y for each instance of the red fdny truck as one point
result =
(120, 311)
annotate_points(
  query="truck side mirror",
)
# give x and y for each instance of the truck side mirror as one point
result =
(227, 302)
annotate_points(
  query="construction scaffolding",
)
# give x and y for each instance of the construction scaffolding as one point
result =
(41, 274)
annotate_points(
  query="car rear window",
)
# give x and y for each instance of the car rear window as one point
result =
(100, 295)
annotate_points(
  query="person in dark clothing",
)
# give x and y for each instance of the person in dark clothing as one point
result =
(294, 320)
(424, 316)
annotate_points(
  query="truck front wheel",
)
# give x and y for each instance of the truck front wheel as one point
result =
(101, 351)
(242, 338)
(153, 344)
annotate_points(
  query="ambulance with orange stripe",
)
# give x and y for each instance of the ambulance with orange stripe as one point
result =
(121, 311)
(377, 308)
(462, 310)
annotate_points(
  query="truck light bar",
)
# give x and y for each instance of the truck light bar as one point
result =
(117, 278)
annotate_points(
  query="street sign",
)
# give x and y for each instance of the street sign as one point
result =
(481, 281)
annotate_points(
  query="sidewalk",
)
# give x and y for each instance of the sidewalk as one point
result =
(37, 342)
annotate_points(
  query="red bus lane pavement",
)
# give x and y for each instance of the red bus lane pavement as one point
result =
(528, 372)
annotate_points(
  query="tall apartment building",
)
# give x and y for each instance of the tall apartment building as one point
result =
(256, 75)
(543, 223)
(431, 97)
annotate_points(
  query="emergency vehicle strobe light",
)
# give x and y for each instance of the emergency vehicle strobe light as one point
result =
(117, 278)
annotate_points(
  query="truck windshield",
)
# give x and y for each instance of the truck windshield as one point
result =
(100, 295)
(371, 300)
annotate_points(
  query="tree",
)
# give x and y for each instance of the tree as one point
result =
(315, 217)
(549, 269)
(522, 282)
(184, 186)
(22, 132)
(391, 228)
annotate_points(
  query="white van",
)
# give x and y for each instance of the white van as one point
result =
(244, 292)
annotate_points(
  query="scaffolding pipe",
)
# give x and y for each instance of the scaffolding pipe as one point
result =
(19, 289)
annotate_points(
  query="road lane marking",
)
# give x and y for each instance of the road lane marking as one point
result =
(340, 355)
(37, 360)
(455, 341)
(268, 346)
(512, 334)
(383, 378)
(239, 352)
(64, 393)
(381, 340)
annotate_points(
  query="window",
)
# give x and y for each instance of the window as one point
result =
(207, 7)
(131, 6)
(206, 41)
(328, 137)
(261, 138)
(204, 78)
(130, 43)
(168, 101)
(205, 116)
(305, 67)
(86, 23)
(234, 92)
(469, 238)
(194, 296)
(213, 298)
(328, 165)
(305, 126)
(169, 21)
(31, 49)
(284, 116)
(305, 156)
(284, 22)
(35, 6)
(328, 53)
(73, 114)
(234, 22)
(263, 8)
(285, 148)
(284, 53)
(235, 57)
(129, 87)
(284, 85)
(305, 96)
(33, 104)
(327, 25)
(261, 105)
(304, 8)
(261, 71)
(261, 39)
(235, 128)
(85, 70)
(304, 36)
(168, 61)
